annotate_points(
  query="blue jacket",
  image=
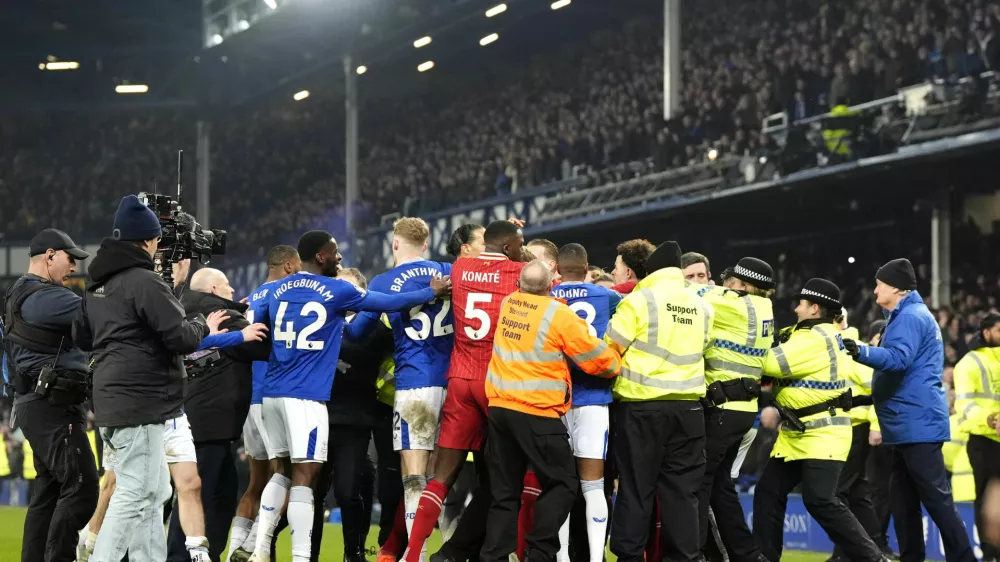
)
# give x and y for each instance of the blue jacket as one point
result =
(907, 389)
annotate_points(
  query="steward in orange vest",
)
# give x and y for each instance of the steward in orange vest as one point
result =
(529, 387)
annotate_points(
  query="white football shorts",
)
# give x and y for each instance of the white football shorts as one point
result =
(416, 418)
(254, 438)
(588, 431)
(741, 455)
(295, 428)
(177, 441)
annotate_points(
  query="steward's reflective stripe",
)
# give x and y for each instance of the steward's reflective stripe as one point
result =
(973, 395)
(387, 377)
(814, 385)
(666, 355)
(643, 380)
(619, 339)
(831, 350)
(821, 422)
(538, 353)
(779, 356)
(738, 348)
(723, 365)
(962, 473)
(524, 386)
(959, 443)
(983, 373)
(589, 355)
(965, 412)
(651, 346)
(706, 311)
(751, 322)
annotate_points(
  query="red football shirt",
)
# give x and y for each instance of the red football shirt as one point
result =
(477, 287)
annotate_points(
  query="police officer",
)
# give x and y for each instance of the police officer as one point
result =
(49, 378)
(661, 330)
(810, 376)
(738, 343)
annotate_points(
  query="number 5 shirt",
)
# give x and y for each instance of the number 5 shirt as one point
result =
(423, 335)
(595, 304)
(477, 287)
(306, 316)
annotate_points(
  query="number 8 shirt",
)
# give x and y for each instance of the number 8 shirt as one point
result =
(478, 286)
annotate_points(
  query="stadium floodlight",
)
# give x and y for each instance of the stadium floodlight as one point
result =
(362, 69)
(299, 96)
(271, 4)
(488, 39)
(425, 66)
(215, 39)
(496, 10)
(131, 89)
(243, 25)
(713, 154)
(422, 42)
(560, 4)
(61, 65)
(41, 66)
(850, 259)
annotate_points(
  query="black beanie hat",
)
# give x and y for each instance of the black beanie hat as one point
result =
(135, 221)
(666, 255)
(898, 273)
(756, 272)
(822, 292)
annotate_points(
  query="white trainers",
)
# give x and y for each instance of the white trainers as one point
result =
(83, 553)
(200, 556)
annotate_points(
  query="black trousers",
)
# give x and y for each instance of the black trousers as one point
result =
(879, 475)
(918, 476)
(984, 456)
(819, 479)
(389, 473)
(65, 489)
(344, 470)
(724, 431)
(367, 502)
(219, 498)
(470, 534)
(659, 451)
(853, 487)
(517, 440)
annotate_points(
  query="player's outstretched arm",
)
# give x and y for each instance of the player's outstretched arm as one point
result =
(363, 324)
(372, 301)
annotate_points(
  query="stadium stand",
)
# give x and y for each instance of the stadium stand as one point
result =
(589, 107)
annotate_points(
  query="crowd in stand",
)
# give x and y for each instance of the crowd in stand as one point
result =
(594, 105)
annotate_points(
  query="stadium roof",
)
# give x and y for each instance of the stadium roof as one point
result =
(227, 52)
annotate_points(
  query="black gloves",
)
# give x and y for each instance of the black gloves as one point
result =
(852, 347)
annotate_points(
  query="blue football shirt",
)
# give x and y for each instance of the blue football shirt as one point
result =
(595, 304)
(256, 302)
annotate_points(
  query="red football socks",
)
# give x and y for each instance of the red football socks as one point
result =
(396, 540)
(428, 511)
(526, 515)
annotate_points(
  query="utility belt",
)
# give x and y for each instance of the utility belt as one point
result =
(60, 388)
(793, 416)
(201, 362)
(734, 390)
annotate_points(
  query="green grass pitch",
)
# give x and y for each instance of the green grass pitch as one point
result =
(12, 524)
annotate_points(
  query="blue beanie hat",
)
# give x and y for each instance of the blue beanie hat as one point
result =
(135, 221)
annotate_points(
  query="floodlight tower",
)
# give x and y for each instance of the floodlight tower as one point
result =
(671, 58)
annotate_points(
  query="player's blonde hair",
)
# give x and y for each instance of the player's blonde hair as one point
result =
(412, 230)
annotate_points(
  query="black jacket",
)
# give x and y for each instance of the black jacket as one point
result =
(353, 400)
(136, 328)
(217, 400)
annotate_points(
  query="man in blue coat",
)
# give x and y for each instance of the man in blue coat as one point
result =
(912, 410)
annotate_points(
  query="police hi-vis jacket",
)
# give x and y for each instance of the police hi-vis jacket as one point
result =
(661, 330)
(810, 368)
(977, 389)
(741, 335)
(860, 383)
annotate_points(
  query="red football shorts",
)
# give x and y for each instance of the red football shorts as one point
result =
(463, 417)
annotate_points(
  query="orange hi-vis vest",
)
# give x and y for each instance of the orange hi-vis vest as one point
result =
(534, 338)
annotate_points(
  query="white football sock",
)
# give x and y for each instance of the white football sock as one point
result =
(597, 517)
(300, 520)
(241, 528)
(250, 543)
(563, 554)
(271, 502)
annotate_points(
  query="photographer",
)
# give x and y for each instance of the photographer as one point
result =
(49, 379)
(217, 399)
(138, 332)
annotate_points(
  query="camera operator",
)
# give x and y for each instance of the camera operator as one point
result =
(138, 332)
(217, 400)
(49, 379)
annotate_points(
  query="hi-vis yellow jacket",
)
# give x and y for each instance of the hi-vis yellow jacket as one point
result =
(860, 383)
(741, 335)
(28, 466)
(956, 461)
(661, 330)
(4, 460)
(811, 368)
(977, 389)
(385, 384)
